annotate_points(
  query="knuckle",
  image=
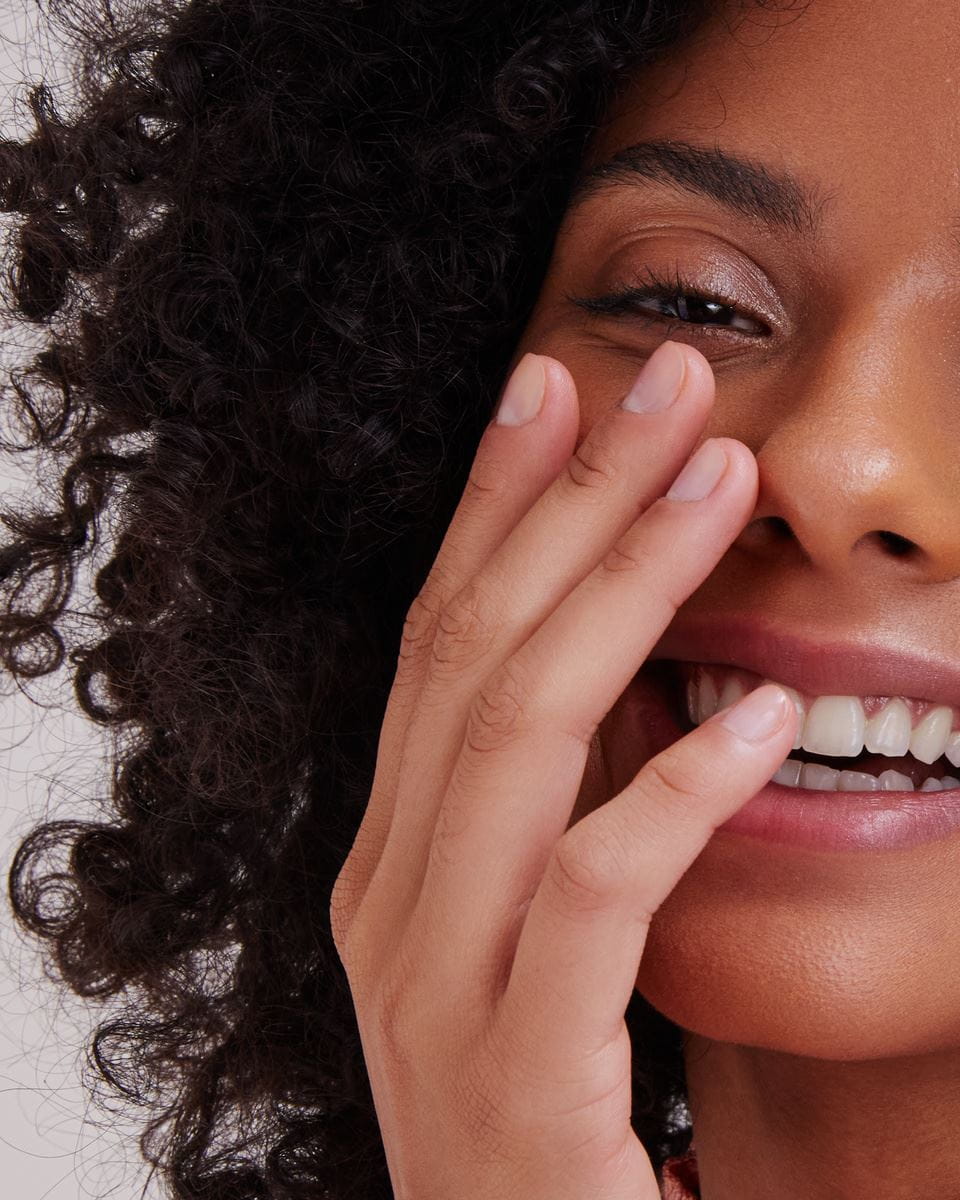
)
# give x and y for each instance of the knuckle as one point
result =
(352, 884)
(585, 871)
(589, 469)
(677, 781)
(453, 821)
(499, 714)
(465, 630)
(348, 940)
(487, 483)
(419, 626)
(627, 556)
(357, 950)
(662, 595)
(398, 1010)
(343, 905)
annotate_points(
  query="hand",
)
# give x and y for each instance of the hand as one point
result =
(491, 951)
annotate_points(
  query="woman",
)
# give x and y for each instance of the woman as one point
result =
(516, 913)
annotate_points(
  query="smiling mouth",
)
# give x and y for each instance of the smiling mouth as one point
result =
(844, 743)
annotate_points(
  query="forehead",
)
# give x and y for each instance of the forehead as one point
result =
(858, 98)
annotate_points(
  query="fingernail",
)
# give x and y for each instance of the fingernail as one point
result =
(758, 715)
(701, 474)
(523, 395)
(659, 383)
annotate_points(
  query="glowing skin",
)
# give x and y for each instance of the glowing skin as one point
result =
(821, 991)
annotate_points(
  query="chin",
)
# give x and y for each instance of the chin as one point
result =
(735, 972)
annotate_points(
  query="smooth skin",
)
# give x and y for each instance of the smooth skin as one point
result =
(820, 992)
(491, 1002)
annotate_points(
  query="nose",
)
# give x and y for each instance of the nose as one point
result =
(860, 466)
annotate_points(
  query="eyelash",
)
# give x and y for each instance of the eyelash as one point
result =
(653, 286)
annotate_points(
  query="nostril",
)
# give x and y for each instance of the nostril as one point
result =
(894, 544)
(779, 528)
(766, 532)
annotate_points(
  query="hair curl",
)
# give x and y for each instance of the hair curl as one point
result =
(282, 253)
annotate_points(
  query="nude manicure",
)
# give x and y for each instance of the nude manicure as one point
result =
(659, 383)
(701, 474)
(758, 715)
(523, 395)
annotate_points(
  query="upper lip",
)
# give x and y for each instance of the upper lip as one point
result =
(818, 666)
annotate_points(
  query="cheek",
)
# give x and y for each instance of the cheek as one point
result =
(603, 373)
(812, 966)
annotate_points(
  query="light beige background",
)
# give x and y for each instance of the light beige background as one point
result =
(53, 1145)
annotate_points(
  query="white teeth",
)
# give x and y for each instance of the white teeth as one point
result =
(939, 785)
(789, 773)
(888, 733)
(929, 738)
(857, 781)
(693, 702)
(837, 726)
(733, 690)
(818, 778)
(834, 726)
(707, 697)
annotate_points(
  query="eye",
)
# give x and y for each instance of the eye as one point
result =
(677, 301)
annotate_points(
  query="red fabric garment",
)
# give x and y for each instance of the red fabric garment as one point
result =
(681, 1181)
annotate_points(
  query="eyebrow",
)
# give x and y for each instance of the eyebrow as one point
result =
(775, 197)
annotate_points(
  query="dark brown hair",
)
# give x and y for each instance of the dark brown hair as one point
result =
(281, 253)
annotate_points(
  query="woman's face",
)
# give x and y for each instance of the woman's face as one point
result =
(837, 361)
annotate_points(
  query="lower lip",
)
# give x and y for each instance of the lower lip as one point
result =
(819, 820)
(847, 820)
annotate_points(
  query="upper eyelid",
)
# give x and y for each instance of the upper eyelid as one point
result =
(636, 290)
(772, 282)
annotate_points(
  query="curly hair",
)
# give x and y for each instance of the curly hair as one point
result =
(281, 254)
